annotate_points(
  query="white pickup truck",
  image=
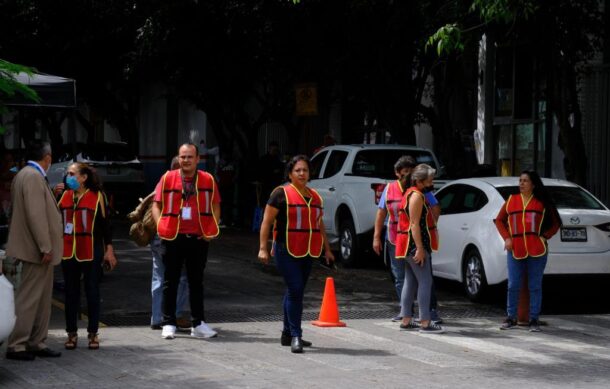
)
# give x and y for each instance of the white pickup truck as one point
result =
(350, 179)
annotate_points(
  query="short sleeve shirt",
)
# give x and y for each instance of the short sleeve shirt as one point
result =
(278, 200)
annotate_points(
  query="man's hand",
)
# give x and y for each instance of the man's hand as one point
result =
(377, 246)
(47, 258)
(263, 256)
(58, 189)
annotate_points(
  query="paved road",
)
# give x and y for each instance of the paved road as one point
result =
(243, 303)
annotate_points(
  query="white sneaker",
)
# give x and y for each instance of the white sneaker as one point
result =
(169, 332)
(203, 331)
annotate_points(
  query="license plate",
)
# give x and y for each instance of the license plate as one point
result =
(113, 170)
(577, 234)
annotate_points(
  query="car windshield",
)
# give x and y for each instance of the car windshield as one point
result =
(565, 197)
(380, 163)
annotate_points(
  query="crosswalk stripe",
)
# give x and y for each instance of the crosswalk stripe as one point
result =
(402, 349)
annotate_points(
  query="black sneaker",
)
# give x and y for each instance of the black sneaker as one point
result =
(508, 324)
(411, 325)
(534, 325)
(432, 328)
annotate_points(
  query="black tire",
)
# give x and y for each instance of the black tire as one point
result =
(348, 243)
(473, 276)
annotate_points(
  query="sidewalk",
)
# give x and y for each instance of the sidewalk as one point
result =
(367, 354)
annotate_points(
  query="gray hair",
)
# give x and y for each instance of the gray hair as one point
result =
(422, 172)
(37, 149)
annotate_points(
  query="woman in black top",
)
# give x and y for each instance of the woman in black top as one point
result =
(295, 270)
(82, 179)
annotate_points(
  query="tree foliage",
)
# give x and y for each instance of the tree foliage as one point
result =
(10, 87)
(563, 35)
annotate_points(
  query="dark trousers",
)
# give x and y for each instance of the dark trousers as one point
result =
(193, 254)
(91, 272)
(296, 273)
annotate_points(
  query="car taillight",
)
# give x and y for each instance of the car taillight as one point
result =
(604, 227)
(378, 189)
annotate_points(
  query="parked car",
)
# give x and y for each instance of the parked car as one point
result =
(350, 179)
(472, 251)
(121, 172)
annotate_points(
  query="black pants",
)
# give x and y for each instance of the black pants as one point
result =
(192, 253)
(91, 272)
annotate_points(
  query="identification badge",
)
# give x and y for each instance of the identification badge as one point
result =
(69, 228)
(186, 213)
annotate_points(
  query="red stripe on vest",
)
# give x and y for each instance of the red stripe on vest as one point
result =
(524, 225)
(303, 235)
(79, 243)
(171, 209)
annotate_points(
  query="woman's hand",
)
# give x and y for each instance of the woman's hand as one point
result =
(330, 257)
(420, 256)
(58, 189)
(263, 256)
(508, 244)
(109, 258)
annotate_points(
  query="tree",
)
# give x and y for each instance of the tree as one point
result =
(10, 87)
(564, 35)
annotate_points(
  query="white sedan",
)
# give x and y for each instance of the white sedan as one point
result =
(472, 251)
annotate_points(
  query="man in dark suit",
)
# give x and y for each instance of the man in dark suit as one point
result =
(35, 239)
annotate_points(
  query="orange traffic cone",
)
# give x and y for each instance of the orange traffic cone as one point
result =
(329, 313)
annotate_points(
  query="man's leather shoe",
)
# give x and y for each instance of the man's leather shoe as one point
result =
(287, 340)
(296, 346)
(20, 355)
(46, 353)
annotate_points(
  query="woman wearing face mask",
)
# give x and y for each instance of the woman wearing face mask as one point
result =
(87, 244)
(416, 238)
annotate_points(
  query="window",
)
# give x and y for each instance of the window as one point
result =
(335, 163)
(473, 199)
(316, 165)
(565, 197)
(446, 198)
(380, 163)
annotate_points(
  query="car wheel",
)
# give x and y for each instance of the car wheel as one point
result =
(473, 275)
(348, 242)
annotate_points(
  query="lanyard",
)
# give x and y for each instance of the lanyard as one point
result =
(185, 194)
(38, 168)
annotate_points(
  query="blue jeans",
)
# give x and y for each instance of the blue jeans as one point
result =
(534, 266)
(157, 285)
(296, 273)
(418, 280)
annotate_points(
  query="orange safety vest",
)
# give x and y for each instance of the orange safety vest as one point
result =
(524, 225)
(393, 197)
(303, 235)
(171, 211)
(78, 239)
(403, 236)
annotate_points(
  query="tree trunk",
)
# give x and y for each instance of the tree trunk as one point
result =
(569, 119)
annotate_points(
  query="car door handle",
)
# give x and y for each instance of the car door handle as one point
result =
(331, 189)
(464, 227)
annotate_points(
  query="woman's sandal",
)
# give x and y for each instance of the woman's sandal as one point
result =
(70, 344)
(94, 341)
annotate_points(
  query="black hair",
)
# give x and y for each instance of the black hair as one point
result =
(37, 149)
(542, 194)
(190, 145)
(405, 162)
(293, 161)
